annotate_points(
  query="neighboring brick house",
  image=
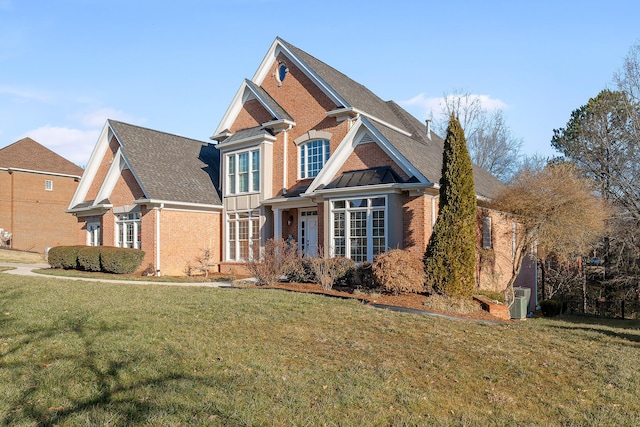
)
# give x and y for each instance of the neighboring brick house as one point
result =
(36, 185)
(309, 154)
(153, 191)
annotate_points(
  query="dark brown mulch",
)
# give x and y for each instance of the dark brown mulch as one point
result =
(405, 300)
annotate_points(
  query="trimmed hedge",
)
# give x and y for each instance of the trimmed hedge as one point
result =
(96, 258)
(89, 258)
(120, 260)
(64, 257)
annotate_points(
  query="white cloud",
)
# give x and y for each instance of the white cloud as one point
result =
(73, 144)
(22, 95)
(97, 118)
(433, 106)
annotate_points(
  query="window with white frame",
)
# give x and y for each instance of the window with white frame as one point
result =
(128, 230)
(94, 234)
(48, 185)
(243, 235)
(243, 172)
(313, 156)
(359, 228)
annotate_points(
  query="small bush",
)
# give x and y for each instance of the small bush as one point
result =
(400, 271)
(362, 276)
(120, 260)
(551, 307)
(277, 256)
(64, 257)
(329, 270)
(301, 271)
(89, 258)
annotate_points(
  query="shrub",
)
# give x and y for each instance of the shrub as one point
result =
(301, 271)
(551, 307)
(362, 276)
(277, 255)
(451, 304)
(120, 260)
(399, 271)
(64, 257)
(329, 270)
(89, 258)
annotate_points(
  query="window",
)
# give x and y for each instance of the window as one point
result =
(128, 229)
(313, 156)
(243, 235)
(48, 185)
(243, 172)
(486, 232)
(359, 228)
(282, 72)
(94, 235)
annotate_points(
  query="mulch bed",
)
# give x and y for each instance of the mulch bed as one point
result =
(405, 300)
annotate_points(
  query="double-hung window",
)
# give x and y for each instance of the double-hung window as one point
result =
(243, 238)
(243, 172)
(313, 156)
(128, 230)
(359, 228)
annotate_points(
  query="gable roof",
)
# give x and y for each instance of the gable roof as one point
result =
(28, 154)
(167, 167)
(170, 167)
(424, 152)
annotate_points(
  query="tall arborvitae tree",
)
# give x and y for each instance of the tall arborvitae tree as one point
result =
(451, 253)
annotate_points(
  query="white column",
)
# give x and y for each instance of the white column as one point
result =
(277, 223)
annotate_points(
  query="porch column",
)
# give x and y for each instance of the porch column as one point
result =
(277, 223)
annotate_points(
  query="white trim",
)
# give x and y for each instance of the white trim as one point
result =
(178, 205)
(40, 172)
(246, 143)
(346, 148)
(95, 160)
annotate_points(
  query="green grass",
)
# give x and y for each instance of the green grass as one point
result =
(84, 353)
(108, 276)
(11, 256)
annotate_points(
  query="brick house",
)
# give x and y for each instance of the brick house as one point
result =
(302, 153)
(152, 191)
(36, 185)
(309, 154)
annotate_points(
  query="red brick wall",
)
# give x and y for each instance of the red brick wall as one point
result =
(183, 236)
(35, 216)
(367, 156)
(103, 169)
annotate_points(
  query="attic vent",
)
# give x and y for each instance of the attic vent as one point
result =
(366, 138)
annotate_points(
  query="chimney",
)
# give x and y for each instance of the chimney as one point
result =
(428, 128)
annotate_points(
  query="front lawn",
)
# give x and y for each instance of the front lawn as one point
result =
(84, 353)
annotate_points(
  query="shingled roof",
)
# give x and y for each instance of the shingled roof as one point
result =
(29, 155)
(171, 167)
(424, 152)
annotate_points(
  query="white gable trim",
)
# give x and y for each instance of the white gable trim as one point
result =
(358, 131)
(119, 164)
(95, 160)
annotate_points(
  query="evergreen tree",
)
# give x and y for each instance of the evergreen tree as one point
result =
(451, 253)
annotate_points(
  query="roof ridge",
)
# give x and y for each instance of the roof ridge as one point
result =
(159, 131)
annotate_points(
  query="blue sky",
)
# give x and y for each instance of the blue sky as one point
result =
(174, 66)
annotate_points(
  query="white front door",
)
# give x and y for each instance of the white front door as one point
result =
(308, 233)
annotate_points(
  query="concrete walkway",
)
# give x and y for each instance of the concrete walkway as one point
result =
(27, 270)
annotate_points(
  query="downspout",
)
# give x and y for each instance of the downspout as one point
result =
(13, 233)
(158, 210)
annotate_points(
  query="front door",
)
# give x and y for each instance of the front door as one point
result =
(308, 233)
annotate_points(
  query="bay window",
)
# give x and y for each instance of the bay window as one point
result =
(359, 228)
(243, 172)
(243, 237)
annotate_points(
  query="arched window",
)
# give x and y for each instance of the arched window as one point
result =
(313, 155)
